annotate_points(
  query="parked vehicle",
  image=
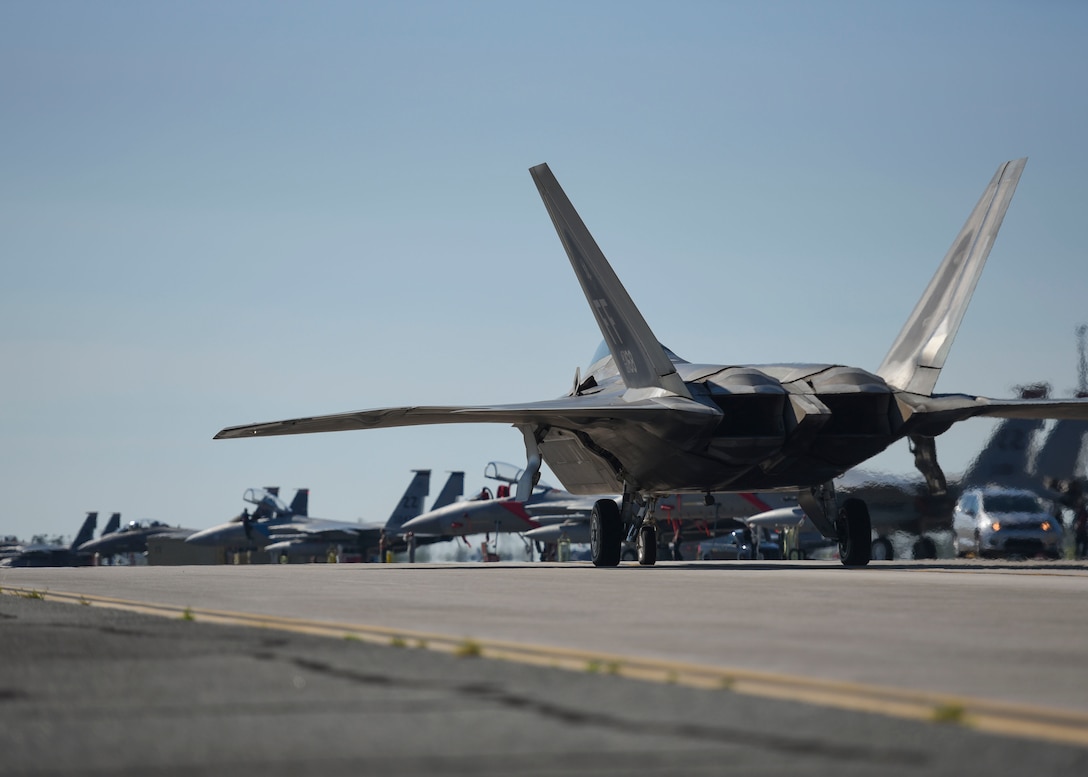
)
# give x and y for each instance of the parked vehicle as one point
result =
(737, 544)
(1003, 522)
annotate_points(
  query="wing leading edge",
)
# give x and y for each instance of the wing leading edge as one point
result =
(565, 413)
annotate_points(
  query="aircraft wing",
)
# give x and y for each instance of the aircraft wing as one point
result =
(564, 413)
(957, 407)
(320, 529)
(321, 526)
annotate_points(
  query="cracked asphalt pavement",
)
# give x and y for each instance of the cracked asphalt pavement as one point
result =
(87, 691)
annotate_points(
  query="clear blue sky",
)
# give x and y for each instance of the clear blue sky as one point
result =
(217, 213)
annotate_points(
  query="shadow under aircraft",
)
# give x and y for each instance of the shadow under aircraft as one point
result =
(645, 423)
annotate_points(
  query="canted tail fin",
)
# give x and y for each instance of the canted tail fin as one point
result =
(411, 504)
(112, 525)
(919, 352)
(454, 488)
(300, 505)
(1061, 455)
(86, 532)
(639, 357)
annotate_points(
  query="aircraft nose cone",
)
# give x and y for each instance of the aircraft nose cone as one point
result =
(213, 536)
(199, 538)
(423, 526)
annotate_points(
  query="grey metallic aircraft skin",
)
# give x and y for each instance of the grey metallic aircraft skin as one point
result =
(551, 512)
(132, 538)
(506, 514)
(247, 529)
(280, 530)
(646, 423)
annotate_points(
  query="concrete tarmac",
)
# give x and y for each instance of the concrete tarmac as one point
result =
(761, 668)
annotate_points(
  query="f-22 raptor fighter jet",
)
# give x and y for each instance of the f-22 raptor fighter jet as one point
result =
(645, 423)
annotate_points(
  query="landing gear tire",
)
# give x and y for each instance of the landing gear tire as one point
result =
(924, 548)
(647, 545)
(605, 533)
(855, 531)
(882, 549)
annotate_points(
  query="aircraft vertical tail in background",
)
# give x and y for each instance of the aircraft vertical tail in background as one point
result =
(1005, 459)
(300, 505)
(411, 504)
(86, 533)
(1062, 455)
(454, 489)
(639, 357)
(918, 354)
(112, 525)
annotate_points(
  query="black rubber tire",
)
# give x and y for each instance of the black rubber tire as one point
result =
(924, 548)
(855, 531)
(647, 546)
(882, 549)
(605, 533)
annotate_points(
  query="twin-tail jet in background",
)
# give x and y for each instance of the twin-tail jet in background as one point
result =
(645, 423)
(287, 530)
(42, 554)
(502, 513)
(551, 513)
(246, 530)
(132, 538)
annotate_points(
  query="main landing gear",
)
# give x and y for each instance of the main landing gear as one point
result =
(849, 523)
(610, 524)
(854, 528)
(646, 543)
(605, 533)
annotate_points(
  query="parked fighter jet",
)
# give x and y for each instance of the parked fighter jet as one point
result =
(503, 513)
(279, 530)
(46, 555)
(645, 422)
(132, 538)
(268, 508)
(551, 512)
(315, 536)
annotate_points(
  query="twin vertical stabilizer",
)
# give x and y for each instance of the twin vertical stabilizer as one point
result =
(918, 354)
(411, 504)
(639, 357)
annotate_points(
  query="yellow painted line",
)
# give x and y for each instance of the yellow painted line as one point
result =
(1014, 719)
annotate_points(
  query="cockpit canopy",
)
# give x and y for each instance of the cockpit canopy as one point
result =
(144, 524)
(264, 497)
(510, 473)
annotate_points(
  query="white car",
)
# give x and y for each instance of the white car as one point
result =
(1004, 522)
